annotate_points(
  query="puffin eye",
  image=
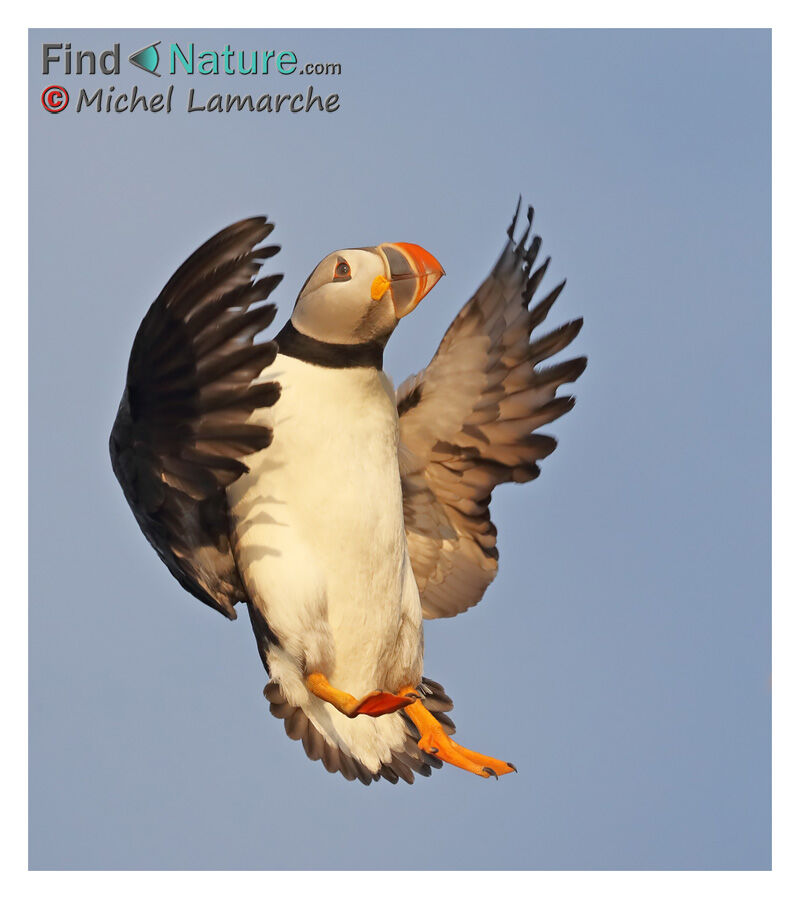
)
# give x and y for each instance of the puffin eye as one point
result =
(342, 271)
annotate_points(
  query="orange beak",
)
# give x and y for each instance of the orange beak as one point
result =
(413, 272)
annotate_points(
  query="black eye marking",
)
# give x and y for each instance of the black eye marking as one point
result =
(342, 270)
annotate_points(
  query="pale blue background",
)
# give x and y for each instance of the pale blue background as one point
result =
(622, 657)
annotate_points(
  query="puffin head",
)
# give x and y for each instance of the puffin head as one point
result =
(359, 295)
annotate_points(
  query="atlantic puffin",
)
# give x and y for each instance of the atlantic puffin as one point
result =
(288, 475)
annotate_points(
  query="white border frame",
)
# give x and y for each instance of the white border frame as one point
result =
(783, 880)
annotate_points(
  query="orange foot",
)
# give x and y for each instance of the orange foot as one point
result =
(374, 704)
(435, 741)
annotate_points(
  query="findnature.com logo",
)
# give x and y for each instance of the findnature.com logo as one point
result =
(61, 59)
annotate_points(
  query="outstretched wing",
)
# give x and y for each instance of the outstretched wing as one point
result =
(468, 423)
(181, 430)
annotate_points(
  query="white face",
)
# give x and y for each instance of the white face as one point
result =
(336, 304)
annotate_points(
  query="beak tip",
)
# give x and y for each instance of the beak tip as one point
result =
(411, 264)
(426, 262)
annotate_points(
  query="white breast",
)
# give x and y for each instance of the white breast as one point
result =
(318, 528)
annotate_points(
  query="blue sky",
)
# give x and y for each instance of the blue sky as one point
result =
(622, 656)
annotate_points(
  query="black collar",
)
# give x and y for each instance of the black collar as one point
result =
(329, 355)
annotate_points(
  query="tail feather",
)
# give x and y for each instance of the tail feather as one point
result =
(403, 764)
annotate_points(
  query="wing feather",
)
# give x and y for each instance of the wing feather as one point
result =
(181, 431)
(469, 421)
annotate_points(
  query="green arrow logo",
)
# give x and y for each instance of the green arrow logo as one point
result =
(146, 58)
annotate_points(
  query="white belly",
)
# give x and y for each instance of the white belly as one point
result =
(319, 534)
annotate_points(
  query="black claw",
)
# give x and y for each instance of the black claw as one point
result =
(489, 771)
(512, 767)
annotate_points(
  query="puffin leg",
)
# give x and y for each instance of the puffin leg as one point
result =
(435, 741)
(374, 704)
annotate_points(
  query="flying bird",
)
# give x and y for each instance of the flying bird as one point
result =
(289, 476)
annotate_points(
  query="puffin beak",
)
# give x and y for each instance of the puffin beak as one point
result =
(413, 272)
